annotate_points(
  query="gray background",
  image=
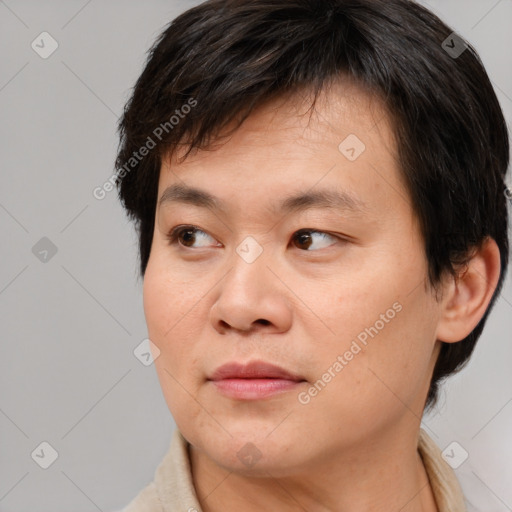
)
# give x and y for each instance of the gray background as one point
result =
(68, 375)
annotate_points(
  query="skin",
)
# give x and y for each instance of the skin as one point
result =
(353, 446)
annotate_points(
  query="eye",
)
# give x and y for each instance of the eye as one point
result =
(306, 238)
(188, 235)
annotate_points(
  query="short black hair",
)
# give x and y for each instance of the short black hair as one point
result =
(216, 62)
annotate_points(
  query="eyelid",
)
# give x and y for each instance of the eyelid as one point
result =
(337, 237)
(313, 230)
(173, 234)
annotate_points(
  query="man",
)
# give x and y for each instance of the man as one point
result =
(318, 188)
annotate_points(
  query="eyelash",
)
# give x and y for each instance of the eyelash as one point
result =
(172, 237)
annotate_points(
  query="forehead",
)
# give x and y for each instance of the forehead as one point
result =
(341, 146)
(301, 117)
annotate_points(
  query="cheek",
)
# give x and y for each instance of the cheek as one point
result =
(171, 323)
(171, 319)
(385, 334)
(386, 365)
(170, 302)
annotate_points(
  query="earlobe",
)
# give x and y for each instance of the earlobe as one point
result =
(467, 297)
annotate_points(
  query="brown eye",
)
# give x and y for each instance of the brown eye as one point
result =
(305, 238)
(188, 235)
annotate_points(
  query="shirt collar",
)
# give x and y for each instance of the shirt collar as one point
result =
(173, 488)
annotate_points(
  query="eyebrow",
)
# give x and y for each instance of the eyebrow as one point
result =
(320, 198)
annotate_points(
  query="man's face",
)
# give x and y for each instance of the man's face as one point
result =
(334, 295)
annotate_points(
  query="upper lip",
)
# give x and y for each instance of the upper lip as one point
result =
(253, 370)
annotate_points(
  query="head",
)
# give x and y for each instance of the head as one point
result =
(251, 103)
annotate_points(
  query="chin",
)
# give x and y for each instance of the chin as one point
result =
(255, 454)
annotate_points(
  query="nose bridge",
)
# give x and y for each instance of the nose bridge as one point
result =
(250, 292)
(249, 266)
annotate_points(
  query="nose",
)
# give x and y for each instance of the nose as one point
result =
(252, 298)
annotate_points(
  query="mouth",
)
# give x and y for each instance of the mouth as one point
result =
(253, 381)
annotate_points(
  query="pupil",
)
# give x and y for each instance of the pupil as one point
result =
(305, 238)
(188, 236)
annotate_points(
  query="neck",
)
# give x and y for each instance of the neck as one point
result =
(384, 472)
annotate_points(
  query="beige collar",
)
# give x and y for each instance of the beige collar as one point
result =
(444, 483)
(173, 489)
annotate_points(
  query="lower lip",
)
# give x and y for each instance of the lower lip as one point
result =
(253, 389)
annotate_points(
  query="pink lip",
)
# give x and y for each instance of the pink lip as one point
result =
(254, 380)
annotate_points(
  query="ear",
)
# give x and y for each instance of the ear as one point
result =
(466, 297)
